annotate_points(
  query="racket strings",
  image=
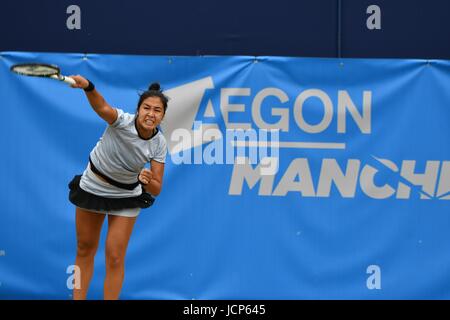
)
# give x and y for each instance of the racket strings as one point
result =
(36, 70)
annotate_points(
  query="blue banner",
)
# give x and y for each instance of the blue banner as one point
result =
(286, 178)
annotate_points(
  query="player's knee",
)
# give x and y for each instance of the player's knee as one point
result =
(86, 248)
(114, 258)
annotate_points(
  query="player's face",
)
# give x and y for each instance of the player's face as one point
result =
(150, 114)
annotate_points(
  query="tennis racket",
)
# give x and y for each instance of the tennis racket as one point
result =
(41, 70)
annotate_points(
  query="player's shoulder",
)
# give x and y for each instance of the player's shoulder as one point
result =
(158, 141)
(123, 118)
(160, 137)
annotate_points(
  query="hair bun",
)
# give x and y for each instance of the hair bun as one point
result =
(154, 86)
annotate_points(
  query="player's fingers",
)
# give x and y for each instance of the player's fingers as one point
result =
(146, 172)
(75, 85)
(143, 178)
(80, 82)
(147, 176)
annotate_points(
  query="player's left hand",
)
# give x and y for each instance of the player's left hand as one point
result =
(145, 176)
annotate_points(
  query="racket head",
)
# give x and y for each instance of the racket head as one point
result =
(35, 69)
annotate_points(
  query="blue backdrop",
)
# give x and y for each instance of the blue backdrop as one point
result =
(362, 183)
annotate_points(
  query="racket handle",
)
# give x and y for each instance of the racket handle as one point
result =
(63, 78)
(68, 80)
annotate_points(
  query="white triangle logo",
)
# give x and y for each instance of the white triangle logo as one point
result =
(184, 104)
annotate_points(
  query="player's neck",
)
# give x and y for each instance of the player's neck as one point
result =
(143, 133)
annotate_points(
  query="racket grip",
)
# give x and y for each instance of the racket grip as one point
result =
(63, 78)
(68, 80)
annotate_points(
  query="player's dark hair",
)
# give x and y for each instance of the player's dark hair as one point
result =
(154, 90)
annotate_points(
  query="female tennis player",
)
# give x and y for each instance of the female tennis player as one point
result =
(115, 182)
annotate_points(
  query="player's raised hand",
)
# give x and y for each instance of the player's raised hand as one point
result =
(145, 176)
(80, 82)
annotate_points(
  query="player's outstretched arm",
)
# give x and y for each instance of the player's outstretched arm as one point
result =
(98, 103)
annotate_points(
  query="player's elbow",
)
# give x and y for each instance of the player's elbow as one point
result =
(157, 191)
(154, 190)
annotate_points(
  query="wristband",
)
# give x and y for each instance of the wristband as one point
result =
(90, 86)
